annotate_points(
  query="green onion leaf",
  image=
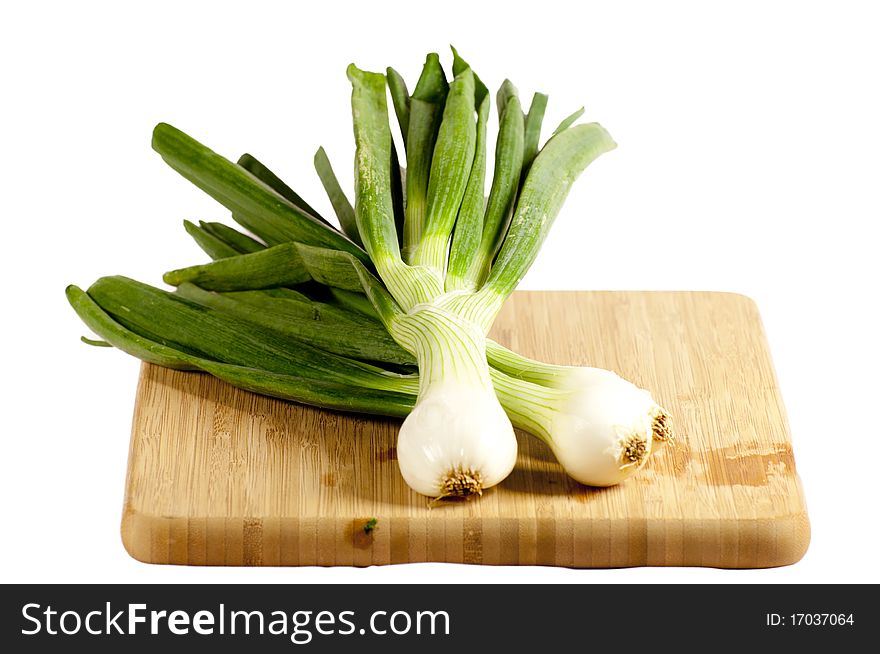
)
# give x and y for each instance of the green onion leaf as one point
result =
(182, 324)
(313, 390)
(468, 231)
(214, 247)
(568, 121)
(400, 100)
(459, 65)
(93, 342)
(330, 267)
(270, 179)
(279, 265)
(242, 243)
(505, 181)
(533, 129)
(255, 205)
(353, 301)
(426, 111)
(549, 180)
(450, 169)
(341, 205)
(373, 206)
(398, 203)
(505, 92)
(373, 203)
(317, 324)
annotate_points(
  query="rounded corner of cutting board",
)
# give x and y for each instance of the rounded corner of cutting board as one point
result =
(753, 543)
(136, 531)
(792, 541)
(145, 537)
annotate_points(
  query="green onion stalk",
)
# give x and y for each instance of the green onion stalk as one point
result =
(390, 313)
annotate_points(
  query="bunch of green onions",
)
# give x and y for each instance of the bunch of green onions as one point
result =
(388, 314)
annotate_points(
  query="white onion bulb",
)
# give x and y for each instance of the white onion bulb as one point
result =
(456, 442)
(605, 429)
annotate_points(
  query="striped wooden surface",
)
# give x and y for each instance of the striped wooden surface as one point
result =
(219, 476)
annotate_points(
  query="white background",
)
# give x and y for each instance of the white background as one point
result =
(749, 161)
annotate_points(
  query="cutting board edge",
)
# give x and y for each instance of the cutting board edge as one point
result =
(608, 543)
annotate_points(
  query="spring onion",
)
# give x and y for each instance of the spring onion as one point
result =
(390, 313)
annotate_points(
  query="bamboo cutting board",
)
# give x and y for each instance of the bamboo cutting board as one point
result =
(218, 476)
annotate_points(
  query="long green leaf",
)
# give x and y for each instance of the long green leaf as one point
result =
(214, 247)
(354, 301)
(254, 204)
(400, 100)
(425, 113)
(94, 342)
(243, 243)
(505, 92)
(279, 265)
(330, 267)
(341, 206)
(468, 230)
(398, 203)
(373, 206)
(459, 65)
(259, 170)
(469, 225)
(171, 320)
(549, 180)
(505, 182)
(289, 263)
(533, 129)
(451, 166)
(313, 390)
(312, 323)
(292, 304)
(568, 121)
